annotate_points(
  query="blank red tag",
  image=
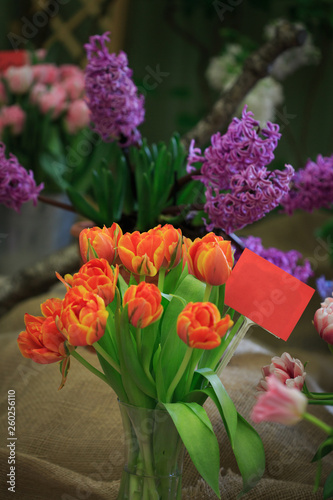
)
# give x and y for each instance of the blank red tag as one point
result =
(266, 294)
(12, 58)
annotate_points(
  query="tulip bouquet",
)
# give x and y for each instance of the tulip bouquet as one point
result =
(43, 116)
(285, 395)
(152, 306)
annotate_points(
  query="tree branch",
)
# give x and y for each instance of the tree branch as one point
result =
(255, 67)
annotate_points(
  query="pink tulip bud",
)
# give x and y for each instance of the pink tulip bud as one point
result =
(45, 73)
(78, 116)
(279, 403)
(13, 117)
(287, 369)
(323, 320)
(19, 79)
(53, 100)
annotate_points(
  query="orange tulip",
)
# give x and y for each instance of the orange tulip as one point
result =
(173, 241)
(144, 304)
(96, 276)
(142, 253)
(83, 316)
(103, 241)
(41, 341)
(200, 325)
(209, 259)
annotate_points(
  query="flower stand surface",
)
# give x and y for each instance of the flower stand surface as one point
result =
(70, 444)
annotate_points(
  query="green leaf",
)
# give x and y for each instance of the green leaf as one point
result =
(83, 207)
(249, 453)
(225, 404)
(324, 449)
(197, 434)
(328, 487)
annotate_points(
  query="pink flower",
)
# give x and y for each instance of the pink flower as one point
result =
(19, 79)
(74, 86)
(78, 116)
(53, 100)
(69, 70)
(36, 92)
(287, 369)
(323, 320)
(13, 117)
(45, 73)
(280, 404)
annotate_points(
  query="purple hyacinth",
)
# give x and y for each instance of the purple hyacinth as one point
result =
(291, 261)
(324, 287)
(17, 186)
(311, 186)
(239, 188)
(112, 97)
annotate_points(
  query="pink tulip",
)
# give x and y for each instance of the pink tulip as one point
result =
(54, 99)
(279, 403)
(45, 73)
(36, 92)
(13, 117)
(78, 116)
(69, 70)
(74, 86)
(287, 369)
(19, 79)
(323, 320)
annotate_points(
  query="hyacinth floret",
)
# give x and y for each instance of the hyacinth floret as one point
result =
(239, 188)
(115, 107)
(324, 287)
(17, 186)
(311, 187)
(291, 261)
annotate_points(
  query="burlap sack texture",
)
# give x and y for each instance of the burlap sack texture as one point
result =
(70, 446)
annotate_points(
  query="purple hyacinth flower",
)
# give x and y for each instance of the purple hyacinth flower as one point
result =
(116, 109)
(324, 287)
(17, 186)
(311, 186)
(291, 261)
(239, 188)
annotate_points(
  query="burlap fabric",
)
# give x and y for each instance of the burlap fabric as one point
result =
(69, 443)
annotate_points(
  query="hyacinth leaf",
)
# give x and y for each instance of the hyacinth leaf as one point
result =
(249, 452)
(83, 207)
(223, 402)
(197, 434)
(328, 487)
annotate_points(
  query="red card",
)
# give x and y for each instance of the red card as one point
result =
(266, 294)
(12, 58)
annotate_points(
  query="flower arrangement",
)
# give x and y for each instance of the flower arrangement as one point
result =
(285, 395)
(160, 344)
(42, 113)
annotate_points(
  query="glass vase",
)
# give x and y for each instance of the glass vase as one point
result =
(154, 455)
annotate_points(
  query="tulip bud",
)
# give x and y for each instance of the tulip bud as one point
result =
(103, 242)
(323, 320)
(83, 316)
(144, 304)
(200, 325)
(280, 404)
(287, 369)
(209, 259)
(142, 253)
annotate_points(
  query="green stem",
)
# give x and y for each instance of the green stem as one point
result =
(107, 357)
(320, 395)
(161, 276)
(330, 348)
(90, 367)
(142, 278)
(179, 374)
(208, 289)
(324, 402)
(196, 355)
(319, 423)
